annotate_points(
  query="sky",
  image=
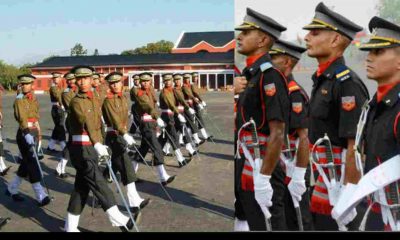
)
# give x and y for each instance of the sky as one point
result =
(31, 30)
(296, 14)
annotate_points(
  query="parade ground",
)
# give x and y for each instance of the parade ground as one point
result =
(202, 192)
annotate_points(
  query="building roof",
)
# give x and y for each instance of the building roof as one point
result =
(216, 39)
(142, 59)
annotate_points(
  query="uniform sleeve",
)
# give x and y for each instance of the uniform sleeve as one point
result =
(171, 105)
(275, 97)
(195, 91)
(351, 100)
(298, 111)
(132, 94)
(187, 91)
(58, 95)
(111, 116)
(21, 115)
(144, 102)
(180, 99)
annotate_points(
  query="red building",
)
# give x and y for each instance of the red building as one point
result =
(209, 53)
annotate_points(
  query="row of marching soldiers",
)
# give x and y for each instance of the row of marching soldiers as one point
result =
(352, 142)
(95, 115)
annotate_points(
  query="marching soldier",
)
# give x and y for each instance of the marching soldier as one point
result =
(259, 183)
(85, 149)
(100, 89)
(66, 98)
(192, 102)
(170, 114)
(380, 139)
(285, 55)
(200, 105)
(335, 105)
(26, 113)
(57, 113)
(187, 111)
(115, 112)
(3, 168)
(132, 93)
(146, 109)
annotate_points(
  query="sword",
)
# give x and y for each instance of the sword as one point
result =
(33, 148)
(197, 119)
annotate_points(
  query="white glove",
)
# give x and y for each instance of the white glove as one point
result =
(201, 107)
(160, 123)
(346, 192)
(29, 139)
(181, 118)
(101, 149)
(297, 185)
(204, 104)
(192, 111)
(39, 145)
(262, 189)
(158, 104)
(129, 139)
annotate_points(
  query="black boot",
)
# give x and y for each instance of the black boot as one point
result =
(143, 204)
(130, 224)
(15, 197)
(169, 180)
(44, 202)
(3, 221)
(4, 172)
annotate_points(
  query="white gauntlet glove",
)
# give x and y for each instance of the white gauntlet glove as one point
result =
(101, 149)
(29, 139)
(129, 139)
(201, 107)
(263, 190)
(297, 185)
(181, 118)
(192, 111)
(160, 123)
(204, 104)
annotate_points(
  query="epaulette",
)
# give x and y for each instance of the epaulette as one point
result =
(140, 93)
(342, 73)
(20, 96)
(265, 66)
(293, 86)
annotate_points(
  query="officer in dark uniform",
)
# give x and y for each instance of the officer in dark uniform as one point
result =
(57, 113)
(132, 93)
(170, 114)
(150, 119)
(380, 139)
(265, 100)
(335, 105)
(285, 55)
(85, 149)
(115, 112)
(66, 98)
(26, 113)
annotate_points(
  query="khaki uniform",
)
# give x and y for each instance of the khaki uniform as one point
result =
(57, 114)
(26, 113)
(85, 130)
(115, 112)
(181, 101)
(199, 111)
(169, 113)
(147, 111)
(136, 118)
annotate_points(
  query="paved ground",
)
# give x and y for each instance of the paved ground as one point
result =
(202, 192)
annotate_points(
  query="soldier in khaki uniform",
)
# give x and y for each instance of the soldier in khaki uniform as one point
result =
(191, 101)
(99, 89)
(3, 168)
(132, 93)
(66, 98)
(26, 113)
(188, 113)
(170, 114)
(199, 104)
(115, 112)
(57, 113)
(86, 149)
(150, 119)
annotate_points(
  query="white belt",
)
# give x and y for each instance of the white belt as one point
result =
(167, 111)
(110, 129)
(31, 124)
(55, 104)
(147, 118)
(80, 138)
(181, 108)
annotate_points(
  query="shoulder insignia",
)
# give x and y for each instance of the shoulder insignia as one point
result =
(348, 103)
(342, 73)
(297, 107)
(20, 96)
(265, 66)
(270, 89)
(293, 87)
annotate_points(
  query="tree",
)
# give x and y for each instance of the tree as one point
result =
(78, 50)
(389, 9)
(96, 52)
(8, 75)
(162, 46)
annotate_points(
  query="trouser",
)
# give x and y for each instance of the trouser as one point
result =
(171, 130)
(290, 213)
(57, 114)
(190, 122)
(150, 140)
(28, 167)
(1, 143)
(88, 178)
(120, 159)
(135, 121)
(247, 208)
(199, 116)
(179, 127)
